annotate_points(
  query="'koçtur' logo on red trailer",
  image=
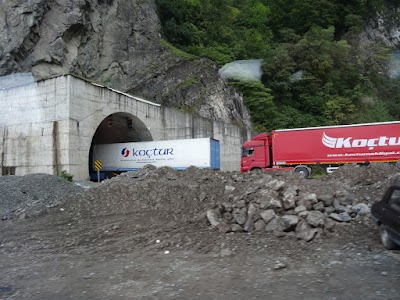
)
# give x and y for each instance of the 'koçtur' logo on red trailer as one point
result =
(349, 142)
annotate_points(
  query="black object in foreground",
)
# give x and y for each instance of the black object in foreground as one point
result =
(386, 213)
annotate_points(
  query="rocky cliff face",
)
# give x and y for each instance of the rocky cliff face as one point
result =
(116, 43)
(384, 27)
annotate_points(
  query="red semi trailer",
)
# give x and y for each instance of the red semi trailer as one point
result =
(330, 146)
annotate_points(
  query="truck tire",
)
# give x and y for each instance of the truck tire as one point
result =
(303, 171)
(385, 239)
(256, 171)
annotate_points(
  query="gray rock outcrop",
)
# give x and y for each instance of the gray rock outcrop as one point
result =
(384, 27)
(116, 43)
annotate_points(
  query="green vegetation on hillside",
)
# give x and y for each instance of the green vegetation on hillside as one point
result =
(315, 71)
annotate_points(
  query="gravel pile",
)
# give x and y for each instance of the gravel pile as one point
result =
(31, 195)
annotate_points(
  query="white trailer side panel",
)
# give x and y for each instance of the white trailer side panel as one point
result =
(178, 154)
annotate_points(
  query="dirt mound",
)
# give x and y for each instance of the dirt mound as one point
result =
(282, 202)
(353, 175)
(163, 191)
(158, 202)
(367, 183)
(187, 193)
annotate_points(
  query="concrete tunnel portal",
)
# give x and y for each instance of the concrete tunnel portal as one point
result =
(119, 127)
(68, 115)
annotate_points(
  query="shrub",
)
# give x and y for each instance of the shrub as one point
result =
(318, 171)
(65, 175)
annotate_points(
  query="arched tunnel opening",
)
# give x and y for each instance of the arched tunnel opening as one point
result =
(116, 128)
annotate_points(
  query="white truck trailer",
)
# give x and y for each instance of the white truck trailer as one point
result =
(177, 154)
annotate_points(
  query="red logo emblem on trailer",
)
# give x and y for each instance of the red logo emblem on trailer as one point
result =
(125, 152)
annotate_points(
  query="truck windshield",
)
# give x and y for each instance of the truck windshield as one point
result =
(247, 152)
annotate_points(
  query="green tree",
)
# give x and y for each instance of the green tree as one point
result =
(331, 81)
(259, 100)
(223, 30)
(338, 109)
(315, 70)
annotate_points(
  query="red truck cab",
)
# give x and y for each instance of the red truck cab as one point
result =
(256, 153)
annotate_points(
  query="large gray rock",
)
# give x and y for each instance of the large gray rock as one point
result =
(319, 206)
(236, 228)
(300, 209)
(305, 232)
(342, 217)
(253, 211)
(249, 225)
(289, 198)
(308, 200)
(240, 215)
(214, 216)
(316, 218)
(259, 225)
(276, 185)
(287, 223)
(116, 43)
(268, 215)
(272, 225)
(311, 197)
(361, 209)
(339, 208)
(269, 200)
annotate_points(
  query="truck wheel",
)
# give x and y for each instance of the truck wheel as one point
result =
(385, 238)
(303, 171)
(255, 171)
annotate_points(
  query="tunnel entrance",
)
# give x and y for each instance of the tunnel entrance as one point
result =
(116, 128)
(121, 128)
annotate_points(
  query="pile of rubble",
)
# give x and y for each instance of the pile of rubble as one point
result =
(272, 205)
(281, 203)
(305, 208)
